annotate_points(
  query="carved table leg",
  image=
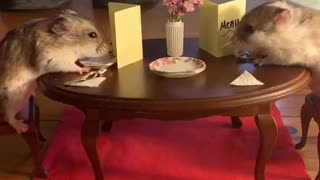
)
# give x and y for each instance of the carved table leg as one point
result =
(236, 122)
(268, 134)
(305, 118)
(90, 133)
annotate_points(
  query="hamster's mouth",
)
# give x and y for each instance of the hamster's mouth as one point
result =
(247, 57)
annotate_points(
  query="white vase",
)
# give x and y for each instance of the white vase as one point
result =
(174, 37)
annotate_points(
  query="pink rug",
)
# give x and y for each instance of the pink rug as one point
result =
(140, 149)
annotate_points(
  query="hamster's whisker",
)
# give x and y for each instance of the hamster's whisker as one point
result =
(237, 43)
(241, 43)
(102, 48)
(226, 34)
(227, 43)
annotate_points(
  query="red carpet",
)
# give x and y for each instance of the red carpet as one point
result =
(204, 149)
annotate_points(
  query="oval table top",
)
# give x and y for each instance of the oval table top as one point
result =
(135, 87)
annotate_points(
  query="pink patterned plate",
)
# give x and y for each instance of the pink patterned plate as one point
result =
(177, 67)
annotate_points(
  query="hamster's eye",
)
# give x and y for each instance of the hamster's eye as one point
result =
(249, 28)
(92, 35)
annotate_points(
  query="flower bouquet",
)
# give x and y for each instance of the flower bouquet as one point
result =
(175, 27)
(178, 8)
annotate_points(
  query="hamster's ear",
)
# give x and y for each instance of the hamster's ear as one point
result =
(59, 26)
(282, 17)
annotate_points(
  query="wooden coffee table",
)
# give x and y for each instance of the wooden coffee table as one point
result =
(134, 91)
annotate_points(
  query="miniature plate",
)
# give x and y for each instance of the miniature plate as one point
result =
(177, 67)
(97, 62)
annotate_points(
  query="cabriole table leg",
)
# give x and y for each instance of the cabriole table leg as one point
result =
(236, 122)
(90, 133)
(268, 134)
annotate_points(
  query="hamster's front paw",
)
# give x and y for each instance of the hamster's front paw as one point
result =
(110, 50)
(111, 55)
(84, 70)
(261, 61)
(19, 125)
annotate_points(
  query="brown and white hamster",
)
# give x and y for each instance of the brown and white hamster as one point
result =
(43, 46)
(280, 33)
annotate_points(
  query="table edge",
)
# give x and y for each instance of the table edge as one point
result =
(133, 104)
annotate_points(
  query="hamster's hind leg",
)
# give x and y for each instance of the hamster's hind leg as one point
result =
(13, 103)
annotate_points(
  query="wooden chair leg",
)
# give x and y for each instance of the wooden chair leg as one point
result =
(30, 114)
(305, 118)
(310, 109)
(318, 175)
(317, 119)
(236, 122)
(37, 124)
(32, 139)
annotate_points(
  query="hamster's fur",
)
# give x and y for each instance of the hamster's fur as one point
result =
(43, 46)
(280, 33)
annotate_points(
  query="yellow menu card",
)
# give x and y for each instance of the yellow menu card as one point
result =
(126, 32)
(217, 22)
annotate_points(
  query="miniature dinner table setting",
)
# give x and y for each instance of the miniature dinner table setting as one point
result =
(175, 69)
(225, 87)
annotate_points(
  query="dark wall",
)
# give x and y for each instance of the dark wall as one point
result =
(104, 3)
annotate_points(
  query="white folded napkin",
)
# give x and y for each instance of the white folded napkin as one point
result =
(246, 79)
(95, 82)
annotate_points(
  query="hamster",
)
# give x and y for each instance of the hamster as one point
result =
(42, 46)
(280, 33)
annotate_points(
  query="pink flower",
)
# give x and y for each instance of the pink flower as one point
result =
(173, 8)
(189, 6)
(177, 8)
(194, 1)
(180, 14)
(197, 2)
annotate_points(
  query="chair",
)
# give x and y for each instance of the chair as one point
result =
(310, 109)
(33, 136)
